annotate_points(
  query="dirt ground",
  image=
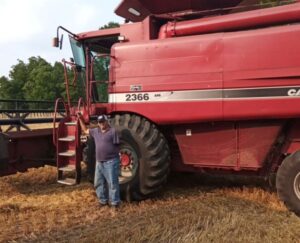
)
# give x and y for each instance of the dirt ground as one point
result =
(191, 208)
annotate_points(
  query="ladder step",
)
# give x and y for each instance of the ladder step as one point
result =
(67, 139)
(71, 123)
(69, 153)
(68, 168)
(67, 181)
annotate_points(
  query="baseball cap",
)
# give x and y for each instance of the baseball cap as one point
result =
(102, 118)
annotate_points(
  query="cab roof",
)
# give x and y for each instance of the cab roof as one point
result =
(138, 10)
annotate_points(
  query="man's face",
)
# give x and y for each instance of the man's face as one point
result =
(103, 125)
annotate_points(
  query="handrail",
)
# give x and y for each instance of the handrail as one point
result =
(73, 66)
(93, 60)
(80, 101)
(92, 70)
(73, 83)
(54, 119)
(96, 82)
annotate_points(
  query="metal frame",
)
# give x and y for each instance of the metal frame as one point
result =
(17, 116)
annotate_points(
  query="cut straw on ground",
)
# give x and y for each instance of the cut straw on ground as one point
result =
(191, 208)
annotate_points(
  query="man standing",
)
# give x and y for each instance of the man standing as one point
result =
(107, 142)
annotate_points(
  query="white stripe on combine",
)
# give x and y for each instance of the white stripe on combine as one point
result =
(206, 95)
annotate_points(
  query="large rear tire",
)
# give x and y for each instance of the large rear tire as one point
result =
(145, 157)
(288, 182)
(90, 158)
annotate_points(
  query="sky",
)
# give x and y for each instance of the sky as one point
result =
(27, 27)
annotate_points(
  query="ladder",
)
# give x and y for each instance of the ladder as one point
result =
(66, 138)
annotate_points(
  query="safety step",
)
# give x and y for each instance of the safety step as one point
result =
(71, 123)
(69, 153)
(68, 181)
(67, 139)
(68, 168)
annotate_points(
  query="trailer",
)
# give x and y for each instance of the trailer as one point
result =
(195, 86)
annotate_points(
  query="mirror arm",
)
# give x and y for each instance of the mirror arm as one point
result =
(69, 32)
(57, 42)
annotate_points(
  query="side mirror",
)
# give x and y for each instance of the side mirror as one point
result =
(55, 42)
(59, 42)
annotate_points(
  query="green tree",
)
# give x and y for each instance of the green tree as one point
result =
(5, 91)
(39, 80)
(18, 77)
(110, 25)
(35, 80)
(5, 88)
(44, 82)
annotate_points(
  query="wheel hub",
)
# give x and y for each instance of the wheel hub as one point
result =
(128, 164)
(125, 160)
(297, 185)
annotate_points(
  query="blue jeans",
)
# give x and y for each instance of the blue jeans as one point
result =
(107, 181)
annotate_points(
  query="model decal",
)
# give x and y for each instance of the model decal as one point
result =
(206, 95)
(294, 92)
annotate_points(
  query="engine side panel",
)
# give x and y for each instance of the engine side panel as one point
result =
(250, 74)
(261, 73)
(169, 73)
(227, 145)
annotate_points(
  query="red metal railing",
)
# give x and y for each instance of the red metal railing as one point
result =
(54, 119)
(84, 113)
(91, 73)
(67, 83)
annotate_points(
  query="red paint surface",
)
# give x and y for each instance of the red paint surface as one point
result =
(292, 143)
(99, 33)
(266, 57)
(209, 144)
(125, 160)
(27, 149)
(157, 7)
(223, 135)
(227, 145)
(255, 140)
(227, 133)
(256, 58)
(238, 21)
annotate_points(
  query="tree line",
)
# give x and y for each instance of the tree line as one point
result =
(35, 80)
(40, 80)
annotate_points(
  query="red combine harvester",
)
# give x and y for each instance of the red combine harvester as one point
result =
(194, 85)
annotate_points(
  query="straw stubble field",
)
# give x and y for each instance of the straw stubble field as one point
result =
(191, 208)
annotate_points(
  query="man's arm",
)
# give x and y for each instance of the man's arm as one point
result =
(84, 129)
